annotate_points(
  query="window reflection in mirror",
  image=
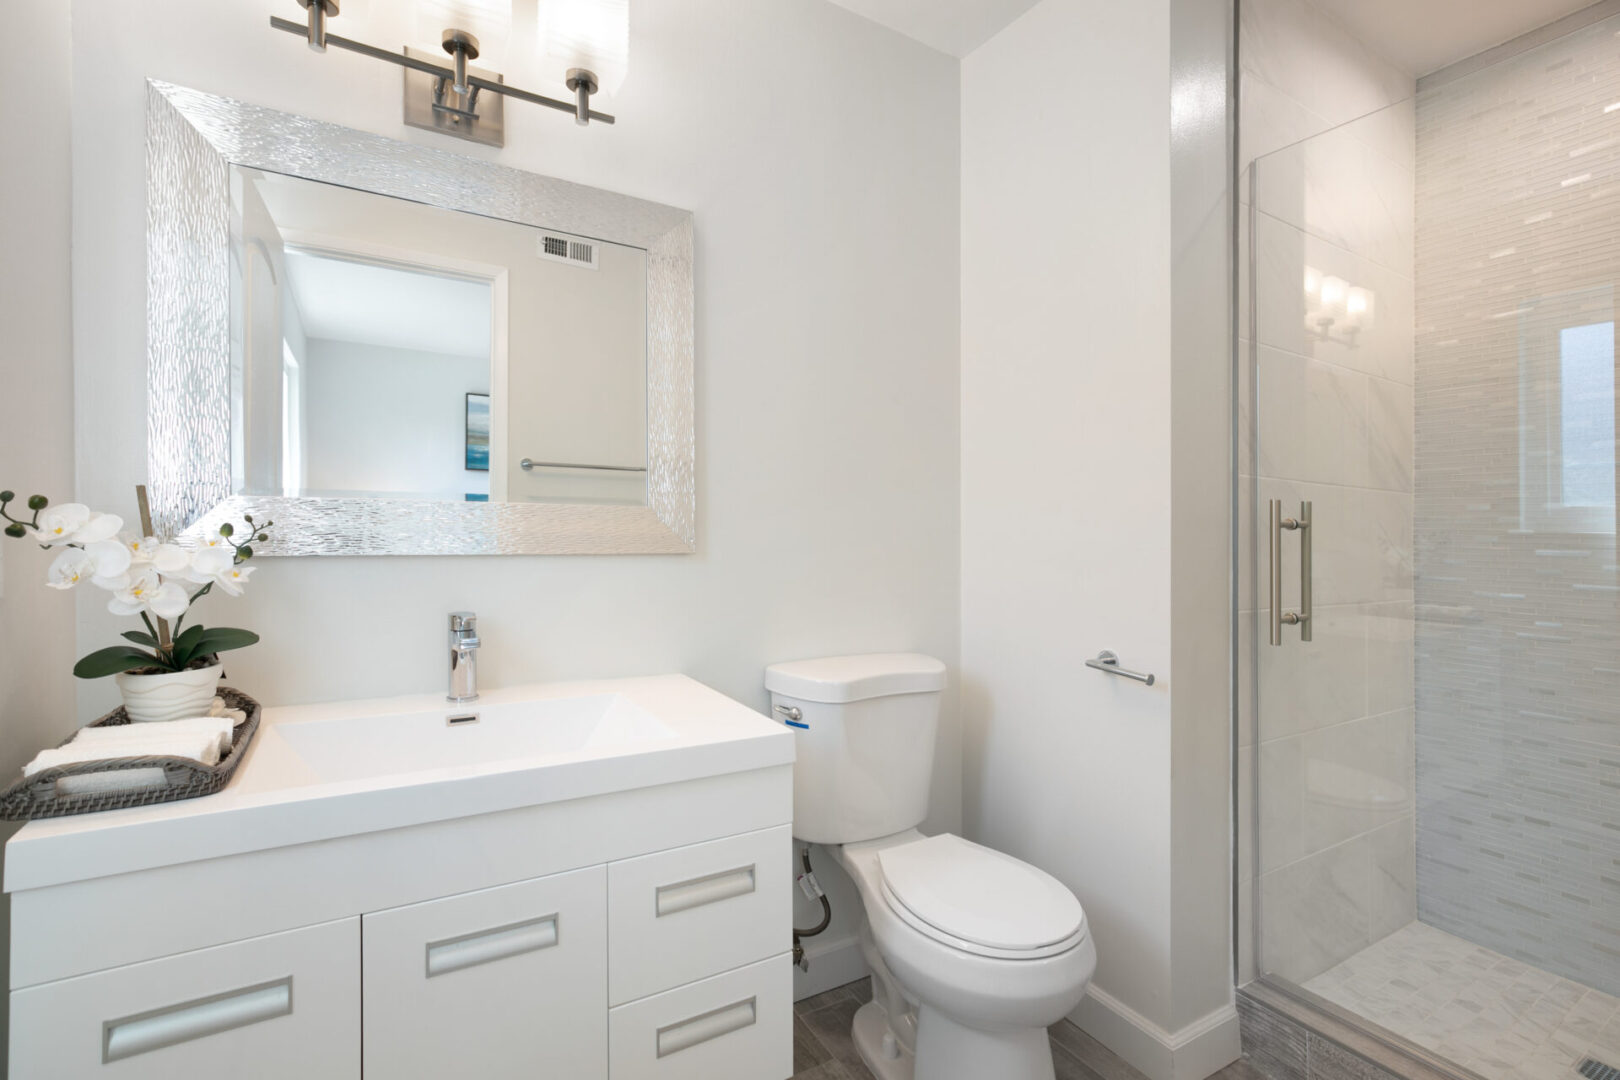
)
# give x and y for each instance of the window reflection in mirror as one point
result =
(390, 349)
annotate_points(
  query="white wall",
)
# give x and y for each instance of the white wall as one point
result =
(36, 371)
(826, 384)
(379, 419)
(1067, 527)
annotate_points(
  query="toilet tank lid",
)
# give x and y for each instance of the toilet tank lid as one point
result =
(837, 679)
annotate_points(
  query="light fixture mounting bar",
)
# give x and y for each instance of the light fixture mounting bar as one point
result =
(569, 107)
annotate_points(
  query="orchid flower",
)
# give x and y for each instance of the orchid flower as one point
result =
(147, 577)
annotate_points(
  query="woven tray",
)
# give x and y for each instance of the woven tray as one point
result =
(36, 796)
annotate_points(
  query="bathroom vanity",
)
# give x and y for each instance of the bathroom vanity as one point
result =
(575, 880)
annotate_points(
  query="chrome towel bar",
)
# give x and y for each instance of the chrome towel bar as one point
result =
(526, 464)
(1107, 661)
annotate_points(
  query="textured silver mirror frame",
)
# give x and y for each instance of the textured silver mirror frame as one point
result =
(192, 139)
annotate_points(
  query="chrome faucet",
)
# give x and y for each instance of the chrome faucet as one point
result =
(463, 656)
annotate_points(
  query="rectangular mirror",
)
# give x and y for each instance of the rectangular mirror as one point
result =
(393, 349)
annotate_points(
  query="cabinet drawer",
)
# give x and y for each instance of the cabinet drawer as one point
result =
(501, 983)
(688, 913)
(736, 1026)
(271, 1007)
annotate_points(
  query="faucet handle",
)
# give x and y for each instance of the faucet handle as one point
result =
(463, 622)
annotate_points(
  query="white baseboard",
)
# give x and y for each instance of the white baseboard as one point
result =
(1199, 1050)
(833, 962)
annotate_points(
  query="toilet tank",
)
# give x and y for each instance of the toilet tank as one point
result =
(864, 728)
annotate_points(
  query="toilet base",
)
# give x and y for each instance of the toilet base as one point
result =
(947, 1050)
(872, 1038)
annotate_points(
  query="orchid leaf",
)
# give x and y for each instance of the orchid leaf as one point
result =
(112, 660)
(140, 638)
(215, 639)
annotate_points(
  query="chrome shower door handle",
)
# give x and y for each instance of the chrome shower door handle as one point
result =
(1305, 532)
(1302, 617)
(1274, 605)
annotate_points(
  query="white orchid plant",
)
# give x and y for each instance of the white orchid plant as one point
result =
(155, 580)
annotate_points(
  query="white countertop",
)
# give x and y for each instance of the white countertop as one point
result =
(278, 798)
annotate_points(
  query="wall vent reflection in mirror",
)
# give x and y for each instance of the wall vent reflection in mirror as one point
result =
(568, 249)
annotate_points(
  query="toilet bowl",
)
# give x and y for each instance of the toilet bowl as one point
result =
(973, 952)
(990, 951)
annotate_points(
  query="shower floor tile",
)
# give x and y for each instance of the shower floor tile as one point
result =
(1499, 1017)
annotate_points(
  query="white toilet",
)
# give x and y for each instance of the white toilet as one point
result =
(973, 953)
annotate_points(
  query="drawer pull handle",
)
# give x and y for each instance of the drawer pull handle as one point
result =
(710, 889)
(700, 1029)
(159, 1028)
(487, 946)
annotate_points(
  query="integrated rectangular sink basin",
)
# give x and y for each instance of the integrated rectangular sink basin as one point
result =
(316, 772)
(477, 734)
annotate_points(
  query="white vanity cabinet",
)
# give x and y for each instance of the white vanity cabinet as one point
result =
(667, 960)
(616, 906)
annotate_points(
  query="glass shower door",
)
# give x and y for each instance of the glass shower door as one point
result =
(1428, 577)
(1329, 483)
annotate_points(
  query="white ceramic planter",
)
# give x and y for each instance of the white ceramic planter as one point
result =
(168, 695)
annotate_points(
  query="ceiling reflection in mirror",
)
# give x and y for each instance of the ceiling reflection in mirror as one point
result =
(383, 348)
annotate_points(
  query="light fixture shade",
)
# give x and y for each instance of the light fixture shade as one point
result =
(490, 21)
(589, 34)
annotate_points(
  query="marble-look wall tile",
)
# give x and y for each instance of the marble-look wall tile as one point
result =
(1390, 657)
(1293, 46)
(1393, 850)
(1389, 548)
(1282, 801)
(1308, 686)
(1312, 420)
(1339, 188)
(1316, 911)
(1358, 777)
(1389, 434)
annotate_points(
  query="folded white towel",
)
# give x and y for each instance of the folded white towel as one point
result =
(113, 780)
(219, 708)
(218, 726)
(199, 746)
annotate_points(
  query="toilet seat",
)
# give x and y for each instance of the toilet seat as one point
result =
(979, 900)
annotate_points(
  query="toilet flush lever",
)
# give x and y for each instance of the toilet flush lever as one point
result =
(792, 716)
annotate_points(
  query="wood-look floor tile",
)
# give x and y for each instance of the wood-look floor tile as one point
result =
(827, 1070)
(1102, 1061)
(833, 1025)
(822, 1000)
(807, 1049)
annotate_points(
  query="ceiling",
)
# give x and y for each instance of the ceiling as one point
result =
(956, 27)
(1419, 36)
(342, 300)
(1422, 36)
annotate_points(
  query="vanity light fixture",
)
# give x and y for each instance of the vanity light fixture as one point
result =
(591, 35)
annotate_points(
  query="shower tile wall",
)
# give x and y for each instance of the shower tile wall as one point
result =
(1518, 634)
(1333, 719)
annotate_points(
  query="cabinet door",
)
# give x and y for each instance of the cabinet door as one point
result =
(283, 1005)
(504, 982)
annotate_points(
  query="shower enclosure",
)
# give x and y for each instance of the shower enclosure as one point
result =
(1429, 670)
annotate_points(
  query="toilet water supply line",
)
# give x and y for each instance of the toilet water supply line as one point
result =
(812, 889)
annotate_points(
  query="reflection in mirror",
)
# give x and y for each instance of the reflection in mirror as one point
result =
(384, 348)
